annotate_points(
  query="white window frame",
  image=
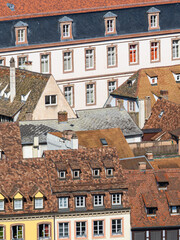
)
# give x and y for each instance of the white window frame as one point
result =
(63, 202)
(50, 100)
(63, 176)
(154, 46)
(111, 86)
(38, 203)
(98, 200)
(67, 61)
(21, 61)
(115, 224)
(89, 59)
(176, 48)
(45, 63)
(96, 172)
(65, 234)
(134, 49)
(17, 230)
(111, 55)
(68, 93)
(82, 233)
(116, 199)
(2, 205)
(90, 93)
(98, 228)
(43, 231)
(154, 20)
(177, 77)
(109, 172)
(110, 25)
(66, 30)
(76, 174)
(80, 201)
(21, 35)
(18, 204)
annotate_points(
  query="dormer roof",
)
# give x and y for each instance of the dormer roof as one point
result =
(153, 10)
(21, 24)
(65, 19)
(110, 15)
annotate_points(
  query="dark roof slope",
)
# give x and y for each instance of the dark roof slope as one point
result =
(26, 82)
(133, 163)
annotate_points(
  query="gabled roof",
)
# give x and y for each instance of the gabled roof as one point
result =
(32, 8)
(142, 88)
(153, 10)
(169, 120)
(65, 19)
(26, 82)
(109, 15)
(21, 24)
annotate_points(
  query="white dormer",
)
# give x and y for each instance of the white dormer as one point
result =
(7, 94)
(3, 90)
(176, 77)
(153, 80)
(25, 97)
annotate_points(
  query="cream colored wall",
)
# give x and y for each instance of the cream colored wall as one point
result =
(50, 112)
(106, 216)
(31, 227)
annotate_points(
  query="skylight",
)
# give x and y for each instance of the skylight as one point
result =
(161, 113)
(103, 141)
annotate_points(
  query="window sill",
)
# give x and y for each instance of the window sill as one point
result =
(151, 215)
(174, 214)
(50, 105)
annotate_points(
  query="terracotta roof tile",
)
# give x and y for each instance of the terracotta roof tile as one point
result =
(149, 199)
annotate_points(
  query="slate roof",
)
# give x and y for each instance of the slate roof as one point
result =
(65, 19)
(169, 120)
(109, 15)
(26, 82)
(141, 87)
(32, 8)
(28, 132)
(10, 141)
(86, 184)
(21, 24)
(133, 163)
(143, 191)
(94, 119)
(153, 10)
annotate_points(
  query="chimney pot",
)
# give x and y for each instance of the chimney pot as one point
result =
(12, 62)
(142, 166)
(149, 155)
(62, 116)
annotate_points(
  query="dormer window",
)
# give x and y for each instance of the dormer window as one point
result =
(153, 80)
(174, 209)
(66, 28)
(153, 18)
(110, 23)
(62, 174)
(18, 204)
(116, 199)
(109, 172)
(38, 203)
(162, 185)
(161, 113)
(96, 172)
(7, 94)
(151, 211)
(176, 77)
(76, 174)
(21, 32)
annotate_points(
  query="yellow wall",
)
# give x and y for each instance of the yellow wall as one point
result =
(39, 195)
(30, 227)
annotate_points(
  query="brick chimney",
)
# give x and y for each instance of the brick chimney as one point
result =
(149, 155)
(164, 94)
(62, 116)
(12, 80)
(142, 166)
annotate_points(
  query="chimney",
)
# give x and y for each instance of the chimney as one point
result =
(62, 116)
(149, 155)
(12, 80)
(147, 107)
(74, 141)
(164, 94)
(142, 166)
(141, 113)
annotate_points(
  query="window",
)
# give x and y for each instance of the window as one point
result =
(68, 93)
(110, 23)
(162, 185)
(2, 61)
(67, 60)
(80, 201)
(109, 172)
(153, 80)
(111, 86)
(2, 235)
(131, 106)
(45, 63)
(90, 93)
(174, 209)
(133, 53)
(64, 230)
(98, 228)
(44, 231)
(66, 28)
(62, 174)
(80, 229)
(76, 174)
(153, 18)
(98, 200)
(38, 203)
(21, 32)
(51, 100)
(161, 113)
(18, 204)
(89, 55)
(22, 61)
(177, 77)
(2, 205)
(96, 172)
(155, 51)
(21, 35)
(116, 199)
(63, 202)
(111, 54)
(103, 141)
(151, 211)
(17, 232)
(116, 226)
(176, 49)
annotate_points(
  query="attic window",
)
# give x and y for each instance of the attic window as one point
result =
(174, 209)
(96, 172)
(109, 172)
(103, 141)
(162, 185)
(76, 173)
(62, 174)
(151, 211)
(66, 28)
(177, 77)
(10, 6)
(110, 23)
(161, 113)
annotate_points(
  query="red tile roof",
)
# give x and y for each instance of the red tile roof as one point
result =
(144, 184)
(34, 8)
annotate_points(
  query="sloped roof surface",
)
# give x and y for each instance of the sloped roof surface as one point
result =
(26, 82)
(166, 162)
(142, 87)
(94, 119)
(133, 163)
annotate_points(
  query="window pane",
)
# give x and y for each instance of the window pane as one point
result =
(38, 202)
